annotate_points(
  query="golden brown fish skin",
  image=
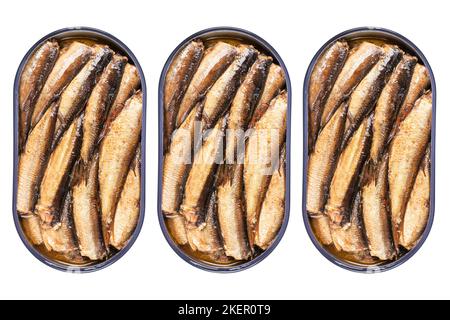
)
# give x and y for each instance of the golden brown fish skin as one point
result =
(177, 163)
(275, 82)
(32, 228)
(376, 215)
(352, 238)
(231, 212)
(33, 160)
(321, 165)
(405, 155)
(98, 105)
(201, 175)
(262, 157)
(388, 104)
(213, 64)
(73, 98)
(207, 239)
(129, 84)
(57, 173)
(117, 150)
(347, 172)
(418, 207)
(242, 108)
(359, 62)
(32, 79)
(69, 62)
(219, 97)
(365, 96)
(86, 211)
(420, 82)
(36, 70)
(176, 82)
(128, 208)
(63, 238)
(177, 229)
(321, 228)
(321, 81)
(273, 207)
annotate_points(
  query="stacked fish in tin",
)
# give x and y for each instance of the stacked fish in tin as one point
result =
(368, 180)
(223, 186)
(78, 183)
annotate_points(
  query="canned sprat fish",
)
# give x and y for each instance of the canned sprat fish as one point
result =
(224, 149)
(79, 100)
(369, 107)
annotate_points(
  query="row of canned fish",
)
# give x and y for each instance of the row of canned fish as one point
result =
(225, 118)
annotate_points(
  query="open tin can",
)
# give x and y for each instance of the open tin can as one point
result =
(233, 36)
(87, 36)
(377, 36)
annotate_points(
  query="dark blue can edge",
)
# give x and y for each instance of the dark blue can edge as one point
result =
(84, 31)
(267, 47)
(402, 42)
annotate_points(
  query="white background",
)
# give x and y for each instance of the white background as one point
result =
(295, 269)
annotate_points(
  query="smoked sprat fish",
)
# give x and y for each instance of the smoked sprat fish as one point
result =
(57, 173)
(275, 82)
(178, 77)
(272, 210)
(216, 59)
(129, 84)
(98, 105)
(33, 77)
(128, 208)
(177, 228)
(74, 97)
(69, 62)
(219, 97)
(388, 104)
(359, 62)
(62, 238)
(321, 82)
(33, 161)
(405, 155)
(322, 163)
(208, 239)
(352, 239)
(420, 82)
(32, 228)
(116, 152)
(365, 95)
(231, 212)
(242, 108)
(262, 157)
(351, 160)
(86, 212)
(375, 204)
(201, 175)
(177, 163)
(321, 228)
(418, 207)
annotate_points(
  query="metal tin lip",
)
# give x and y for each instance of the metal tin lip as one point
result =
(403, 42)
(111, 40)
(260, 42)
